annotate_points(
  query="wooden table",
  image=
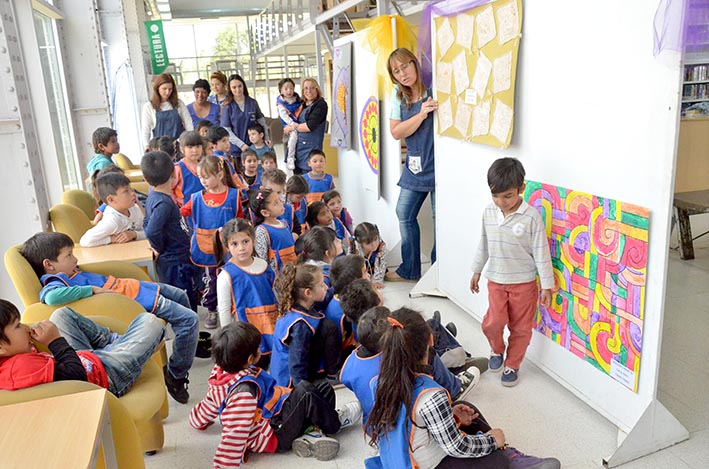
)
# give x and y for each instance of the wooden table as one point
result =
(58, 432)
(687, 204)
(135, 252)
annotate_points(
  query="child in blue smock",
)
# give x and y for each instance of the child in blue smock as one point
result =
(209, 210)
(296, 192)
(305, 344)
(319, 181)
(274, 239)
(245, 284)
(319, 215)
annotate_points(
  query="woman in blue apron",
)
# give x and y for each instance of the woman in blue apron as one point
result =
(411, 118)
(239, 112)
(310, 125)
(164, 115)
(201, 108)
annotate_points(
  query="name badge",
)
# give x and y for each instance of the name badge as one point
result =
(414, 164)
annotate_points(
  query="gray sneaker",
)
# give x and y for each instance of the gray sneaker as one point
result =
(212, 320)
(314, 443)
(519, 460)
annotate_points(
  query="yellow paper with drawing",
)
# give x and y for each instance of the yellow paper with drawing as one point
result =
(475, 67)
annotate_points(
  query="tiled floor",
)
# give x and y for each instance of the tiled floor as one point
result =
(538, 416)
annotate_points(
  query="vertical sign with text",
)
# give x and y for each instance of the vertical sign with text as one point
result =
(158, 48)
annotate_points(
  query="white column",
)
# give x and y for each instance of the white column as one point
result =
(25, 135)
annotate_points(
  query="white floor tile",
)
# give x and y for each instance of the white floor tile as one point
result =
(538, 416)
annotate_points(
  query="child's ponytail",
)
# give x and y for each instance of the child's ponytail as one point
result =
(404, 346)
(316, 243)
(290, 280)
(257, 201)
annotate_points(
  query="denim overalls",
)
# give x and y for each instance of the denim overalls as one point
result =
(168, 123)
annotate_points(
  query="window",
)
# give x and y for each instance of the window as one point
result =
(53, 74)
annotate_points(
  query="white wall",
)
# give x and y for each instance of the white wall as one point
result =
(596, 112)
(353, 169)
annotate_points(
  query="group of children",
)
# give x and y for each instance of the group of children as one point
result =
(290, 300)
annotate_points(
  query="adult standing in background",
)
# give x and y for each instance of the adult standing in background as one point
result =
(218, 81)
(164, 114)
(411, 118)
(239, 112)
(310, 125)
(201, 108)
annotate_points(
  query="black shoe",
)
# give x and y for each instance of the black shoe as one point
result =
(204, 345)
(452, 329)
(437, 316)
(177, 388)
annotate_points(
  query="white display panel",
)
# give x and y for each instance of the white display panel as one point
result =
(579, 124)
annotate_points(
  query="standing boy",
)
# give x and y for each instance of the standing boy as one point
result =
(106, 145)
(163, 226)
(51, 255)
(122, 220)
(258, 144)
(515, 247)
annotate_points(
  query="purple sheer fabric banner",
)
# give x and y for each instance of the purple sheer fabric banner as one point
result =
(668, 26)
(679, 31)
(440, 8)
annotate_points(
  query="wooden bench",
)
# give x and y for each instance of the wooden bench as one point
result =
(687, 204)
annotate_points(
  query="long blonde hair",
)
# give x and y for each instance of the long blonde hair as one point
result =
(406, 93)
(315, 83)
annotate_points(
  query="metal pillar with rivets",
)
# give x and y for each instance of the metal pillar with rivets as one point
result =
(23, 188)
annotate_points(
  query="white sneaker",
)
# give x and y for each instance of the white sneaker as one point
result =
(468, 379)
(212, 320)
(321, 447)
(350, 414)
(290, 163)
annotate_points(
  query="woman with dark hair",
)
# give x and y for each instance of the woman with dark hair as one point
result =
(201, 108)
(218, 81)
(239, 112)
(411, 118)
(164, 114)
(310, 125)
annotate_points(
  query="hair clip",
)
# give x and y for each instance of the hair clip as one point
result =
(259, 196)
(394, 323)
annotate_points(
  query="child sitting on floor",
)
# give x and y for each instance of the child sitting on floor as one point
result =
(413, 421)
(333, 200)
(259, 416)
(80, 350)
(296, 191)
(51, 255)
(368, 244)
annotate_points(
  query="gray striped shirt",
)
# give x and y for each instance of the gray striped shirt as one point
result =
(515, 248)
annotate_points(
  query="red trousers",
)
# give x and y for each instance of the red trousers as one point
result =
(513, 306)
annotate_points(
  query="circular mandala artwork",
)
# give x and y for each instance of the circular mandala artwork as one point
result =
(369, 132)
